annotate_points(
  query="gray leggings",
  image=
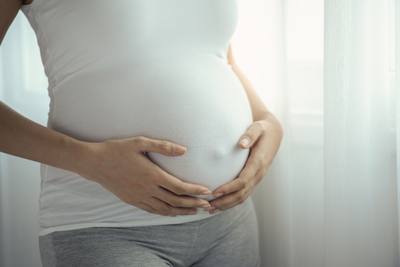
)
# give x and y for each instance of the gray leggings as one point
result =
(229, 238)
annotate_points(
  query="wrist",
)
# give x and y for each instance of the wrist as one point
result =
(272, 121)
(79, 156)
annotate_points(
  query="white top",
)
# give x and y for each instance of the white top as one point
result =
(125, 68)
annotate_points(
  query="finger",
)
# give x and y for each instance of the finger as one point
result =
(166, 209)
(237, 184)
(178, 187)
(235, 198)
(173, 184)
(159, 146)
(147, 208)
(252, 166)
(250, 137)
(181, 201)
(228, 201)
(150, 209)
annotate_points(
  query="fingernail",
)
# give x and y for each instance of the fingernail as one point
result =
(205, 206)
(218, 195)
(245, 142)
(206, 192)
(209, 208)
(171, 215)
(179, 149)
(192, 212)
(214, 211)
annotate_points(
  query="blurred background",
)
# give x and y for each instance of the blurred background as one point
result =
(327, 71)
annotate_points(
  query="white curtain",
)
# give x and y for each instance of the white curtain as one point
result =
(327, 70)
(359, 135)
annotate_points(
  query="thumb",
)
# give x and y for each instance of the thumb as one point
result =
(249, 138)
(244, 142)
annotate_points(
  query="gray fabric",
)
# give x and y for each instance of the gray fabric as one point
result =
(229, 238)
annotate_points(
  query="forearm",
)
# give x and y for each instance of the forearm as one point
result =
(117, 165)
(25, 138)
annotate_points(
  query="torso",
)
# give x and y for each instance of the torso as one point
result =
(144, 67)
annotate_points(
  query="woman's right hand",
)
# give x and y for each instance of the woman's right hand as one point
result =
(120, 166)
(123, 168)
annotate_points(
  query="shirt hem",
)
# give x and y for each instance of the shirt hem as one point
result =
(169, 220)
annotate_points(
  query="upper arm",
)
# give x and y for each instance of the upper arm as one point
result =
(8, 11)
(231, 60)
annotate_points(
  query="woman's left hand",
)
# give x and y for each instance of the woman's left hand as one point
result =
(264, 138)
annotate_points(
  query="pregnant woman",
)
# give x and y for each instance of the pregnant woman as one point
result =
(155, 138)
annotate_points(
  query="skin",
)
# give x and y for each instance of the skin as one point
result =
(264, 135)
(122, 167)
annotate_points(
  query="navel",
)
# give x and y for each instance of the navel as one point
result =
(219, 153)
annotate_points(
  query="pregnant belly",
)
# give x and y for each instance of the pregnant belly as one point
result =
(197, 102)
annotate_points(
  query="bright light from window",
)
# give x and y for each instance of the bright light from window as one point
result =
(305, 30)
